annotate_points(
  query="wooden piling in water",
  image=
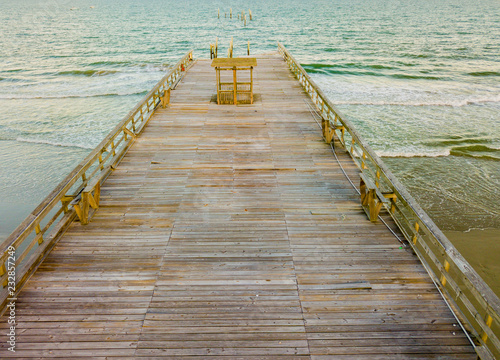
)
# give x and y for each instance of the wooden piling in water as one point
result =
(230, 50)
(248, 48)
(250, 14)
(230, 13)
(218, 13)
(245, 21)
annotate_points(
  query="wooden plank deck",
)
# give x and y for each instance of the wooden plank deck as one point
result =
(231, 232)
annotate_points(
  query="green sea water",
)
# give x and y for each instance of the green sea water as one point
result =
(419, 79)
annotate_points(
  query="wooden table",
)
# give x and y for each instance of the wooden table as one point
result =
(235, 88)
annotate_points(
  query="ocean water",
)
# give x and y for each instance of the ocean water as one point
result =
(420, 80)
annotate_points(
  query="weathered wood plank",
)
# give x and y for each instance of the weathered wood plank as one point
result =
(230, 232)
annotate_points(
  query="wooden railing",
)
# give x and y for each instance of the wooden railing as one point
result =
(473, 302)
(77, 196)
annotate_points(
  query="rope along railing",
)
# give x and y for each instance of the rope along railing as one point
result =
(473, 302)
(77, 196)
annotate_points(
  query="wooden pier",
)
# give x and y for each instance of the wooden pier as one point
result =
(225, 232)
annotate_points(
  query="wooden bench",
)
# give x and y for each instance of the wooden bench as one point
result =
(372, 198)
(87, 201)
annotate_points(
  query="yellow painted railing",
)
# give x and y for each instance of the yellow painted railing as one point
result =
(473, 302)
(77, 196)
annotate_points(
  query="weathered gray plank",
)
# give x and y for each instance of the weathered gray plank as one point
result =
(230, 232)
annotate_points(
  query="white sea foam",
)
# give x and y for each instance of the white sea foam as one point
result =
(53, 143)
(450, 103)
(410, 154)
(69, 96)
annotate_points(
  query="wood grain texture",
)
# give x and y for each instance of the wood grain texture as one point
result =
(230, 62)
(230, 232)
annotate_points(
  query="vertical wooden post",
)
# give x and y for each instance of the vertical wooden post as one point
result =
(251, 78)
(217, 70)
(38, 230)
(230, 13)
(250, 13)
(166, 98)
(85, 208)
(101, 165)
(248, 51)
(245, 23)
(371, 205)
(489, 321)
(3, 270)
(234, 84)
(415, 237)
(218, 13)
(327, 130)
(216, 46)
(97, 193)
(65, 204)
(447, 269)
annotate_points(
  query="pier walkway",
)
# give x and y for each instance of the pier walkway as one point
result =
(230, 232)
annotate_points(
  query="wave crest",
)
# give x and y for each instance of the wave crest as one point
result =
(476, 151)
(27, 97)
(473, 151)
(484, 73)
(53, 143)
(87, 72)
(409, 154)
(451, 103)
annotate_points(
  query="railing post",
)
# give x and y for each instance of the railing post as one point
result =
(415, 236)
(38, 230)
(489, 321)
(84, 206)
(235, 86)
(166, 98)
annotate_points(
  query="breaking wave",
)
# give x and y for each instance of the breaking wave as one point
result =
(53, 143)
(87, 72)
(472, 151)
(20, 97)
(450, 103)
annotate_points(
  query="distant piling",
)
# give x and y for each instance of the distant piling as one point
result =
(230, 50)
(241, 16)
(248, 48)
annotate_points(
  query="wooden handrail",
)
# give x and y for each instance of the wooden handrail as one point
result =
(469, 296)
(37, 234)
